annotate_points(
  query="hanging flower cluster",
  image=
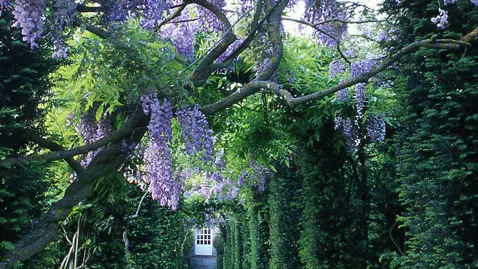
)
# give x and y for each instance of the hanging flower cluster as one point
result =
(157, 156)
(197, 135)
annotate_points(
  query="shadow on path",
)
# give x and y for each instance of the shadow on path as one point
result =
(203, 262)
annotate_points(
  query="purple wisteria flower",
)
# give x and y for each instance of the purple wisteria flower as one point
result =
(376, 128)
(158, 164)
(91, 130)
(347, 126)
(207, 19)
(327, 16)
(28, 16)
(441, 20)
(342, 95)
(153, 13)
(336, 68)
(360, 96)
(196, 134)
(182, 33)
(4, 5)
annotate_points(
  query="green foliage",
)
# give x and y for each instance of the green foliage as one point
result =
(331, 235)
(257, 215)
(24, 85)
(285, 214)
(109, 75)
(437, 145)
(218, 244)
(157, 236)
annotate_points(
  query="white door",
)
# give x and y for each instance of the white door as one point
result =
(203, 242)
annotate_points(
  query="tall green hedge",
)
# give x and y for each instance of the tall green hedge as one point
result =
(257, 215)
(438, 149)
(24, 83)
(284, 209)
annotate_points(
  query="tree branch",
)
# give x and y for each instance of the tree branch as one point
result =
(363, 78)
(39, 140)
(237, 96)
(36, 138)
(322, 31)
(201, 73)
(173, 15)
(256, 25)
(85, 9)
(114, 137)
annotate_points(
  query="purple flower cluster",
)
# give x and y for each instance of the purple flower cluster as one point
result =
(158, 164)
(260, 175)
(91, 130)
(116, 11)
(320, 13)
(376, 128)
(357, 69)
(182, 34)
(362, 66)
(88, 126)
(207, 19)
(246, 5)
(441, 20)
(224, 188)
(64, 12)
(336, 68)
(360, 98)
(159, 126)
(347, 126)
(215, 185)
(153, 13)
(342, 95)
(212, 219)
(229, 50)
(4, 5)
(127, 149)
(28, 15)
(104, 126)
(197, 135)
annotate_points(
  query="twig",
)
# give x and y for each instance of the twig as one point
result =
(393, 240)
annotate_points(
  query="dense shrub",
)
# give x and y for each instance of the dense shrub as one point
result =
(437, 142)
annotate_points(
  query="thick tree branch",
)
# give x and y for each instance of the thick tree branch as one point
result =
(201, 73)
(114, 137)
(363, 78)
(274, 33)
(255, 26)
(36, 138)
(237, 96)
(471, 36)
(275, 37)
